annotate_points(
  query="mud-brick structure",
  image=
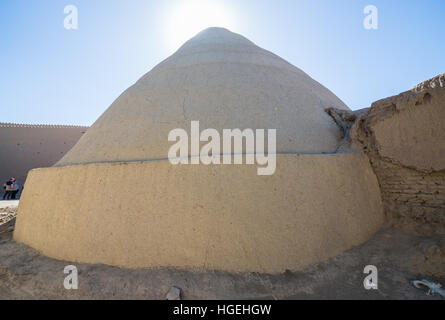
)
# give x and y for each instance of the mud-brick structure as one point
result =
(28, 146)
(404, 137)
(115, 199)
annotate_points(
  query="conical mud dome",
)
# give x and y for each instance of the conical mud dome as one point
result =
(105, 202)
(223, 80)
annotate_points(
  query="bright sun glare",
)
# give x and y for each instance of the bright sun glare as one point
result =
(187, 18)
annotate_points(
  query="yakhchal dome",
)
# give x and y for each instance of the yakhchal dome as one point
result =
(107, 201)
(224, 81)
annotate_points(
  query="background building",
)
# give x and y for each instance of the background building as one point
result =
(24, 147)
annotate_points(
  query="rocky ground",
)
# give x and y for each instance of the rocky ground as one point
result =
(7, 217)
(399, 256)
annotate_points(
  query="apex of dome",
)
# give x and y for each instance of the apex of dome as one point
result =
(216, 31)
(216, 36)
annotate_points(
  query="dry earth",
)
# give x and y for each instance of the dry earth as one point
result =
(399, 256)
(7, 213)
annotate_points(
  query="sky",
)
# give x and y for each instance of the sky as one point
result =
(53, 75)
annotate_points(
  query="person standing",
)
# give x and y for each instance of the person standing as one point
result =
(7, 187)
(15, 188)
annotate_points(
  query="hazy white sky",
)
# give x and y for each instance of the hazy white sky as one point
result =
(52, 75)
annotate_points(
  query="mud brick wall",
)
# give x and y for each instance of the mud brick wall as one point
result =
(413, 199)
(404, 138)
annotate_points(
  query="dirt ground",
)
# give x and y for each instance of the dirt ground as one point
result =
(399, 256)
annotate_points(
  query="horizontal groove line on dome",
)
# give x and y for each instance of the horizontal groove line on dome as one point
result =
(189, 157)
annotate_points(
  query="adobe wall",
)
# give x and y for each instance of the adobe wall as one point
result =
(25, 147)
(413, 199)
(404, 137)
(217, 217)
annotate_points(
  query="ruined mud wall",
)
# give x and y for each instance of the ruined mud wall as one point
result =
(413, 199)
(404, 137)
(24, 147)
